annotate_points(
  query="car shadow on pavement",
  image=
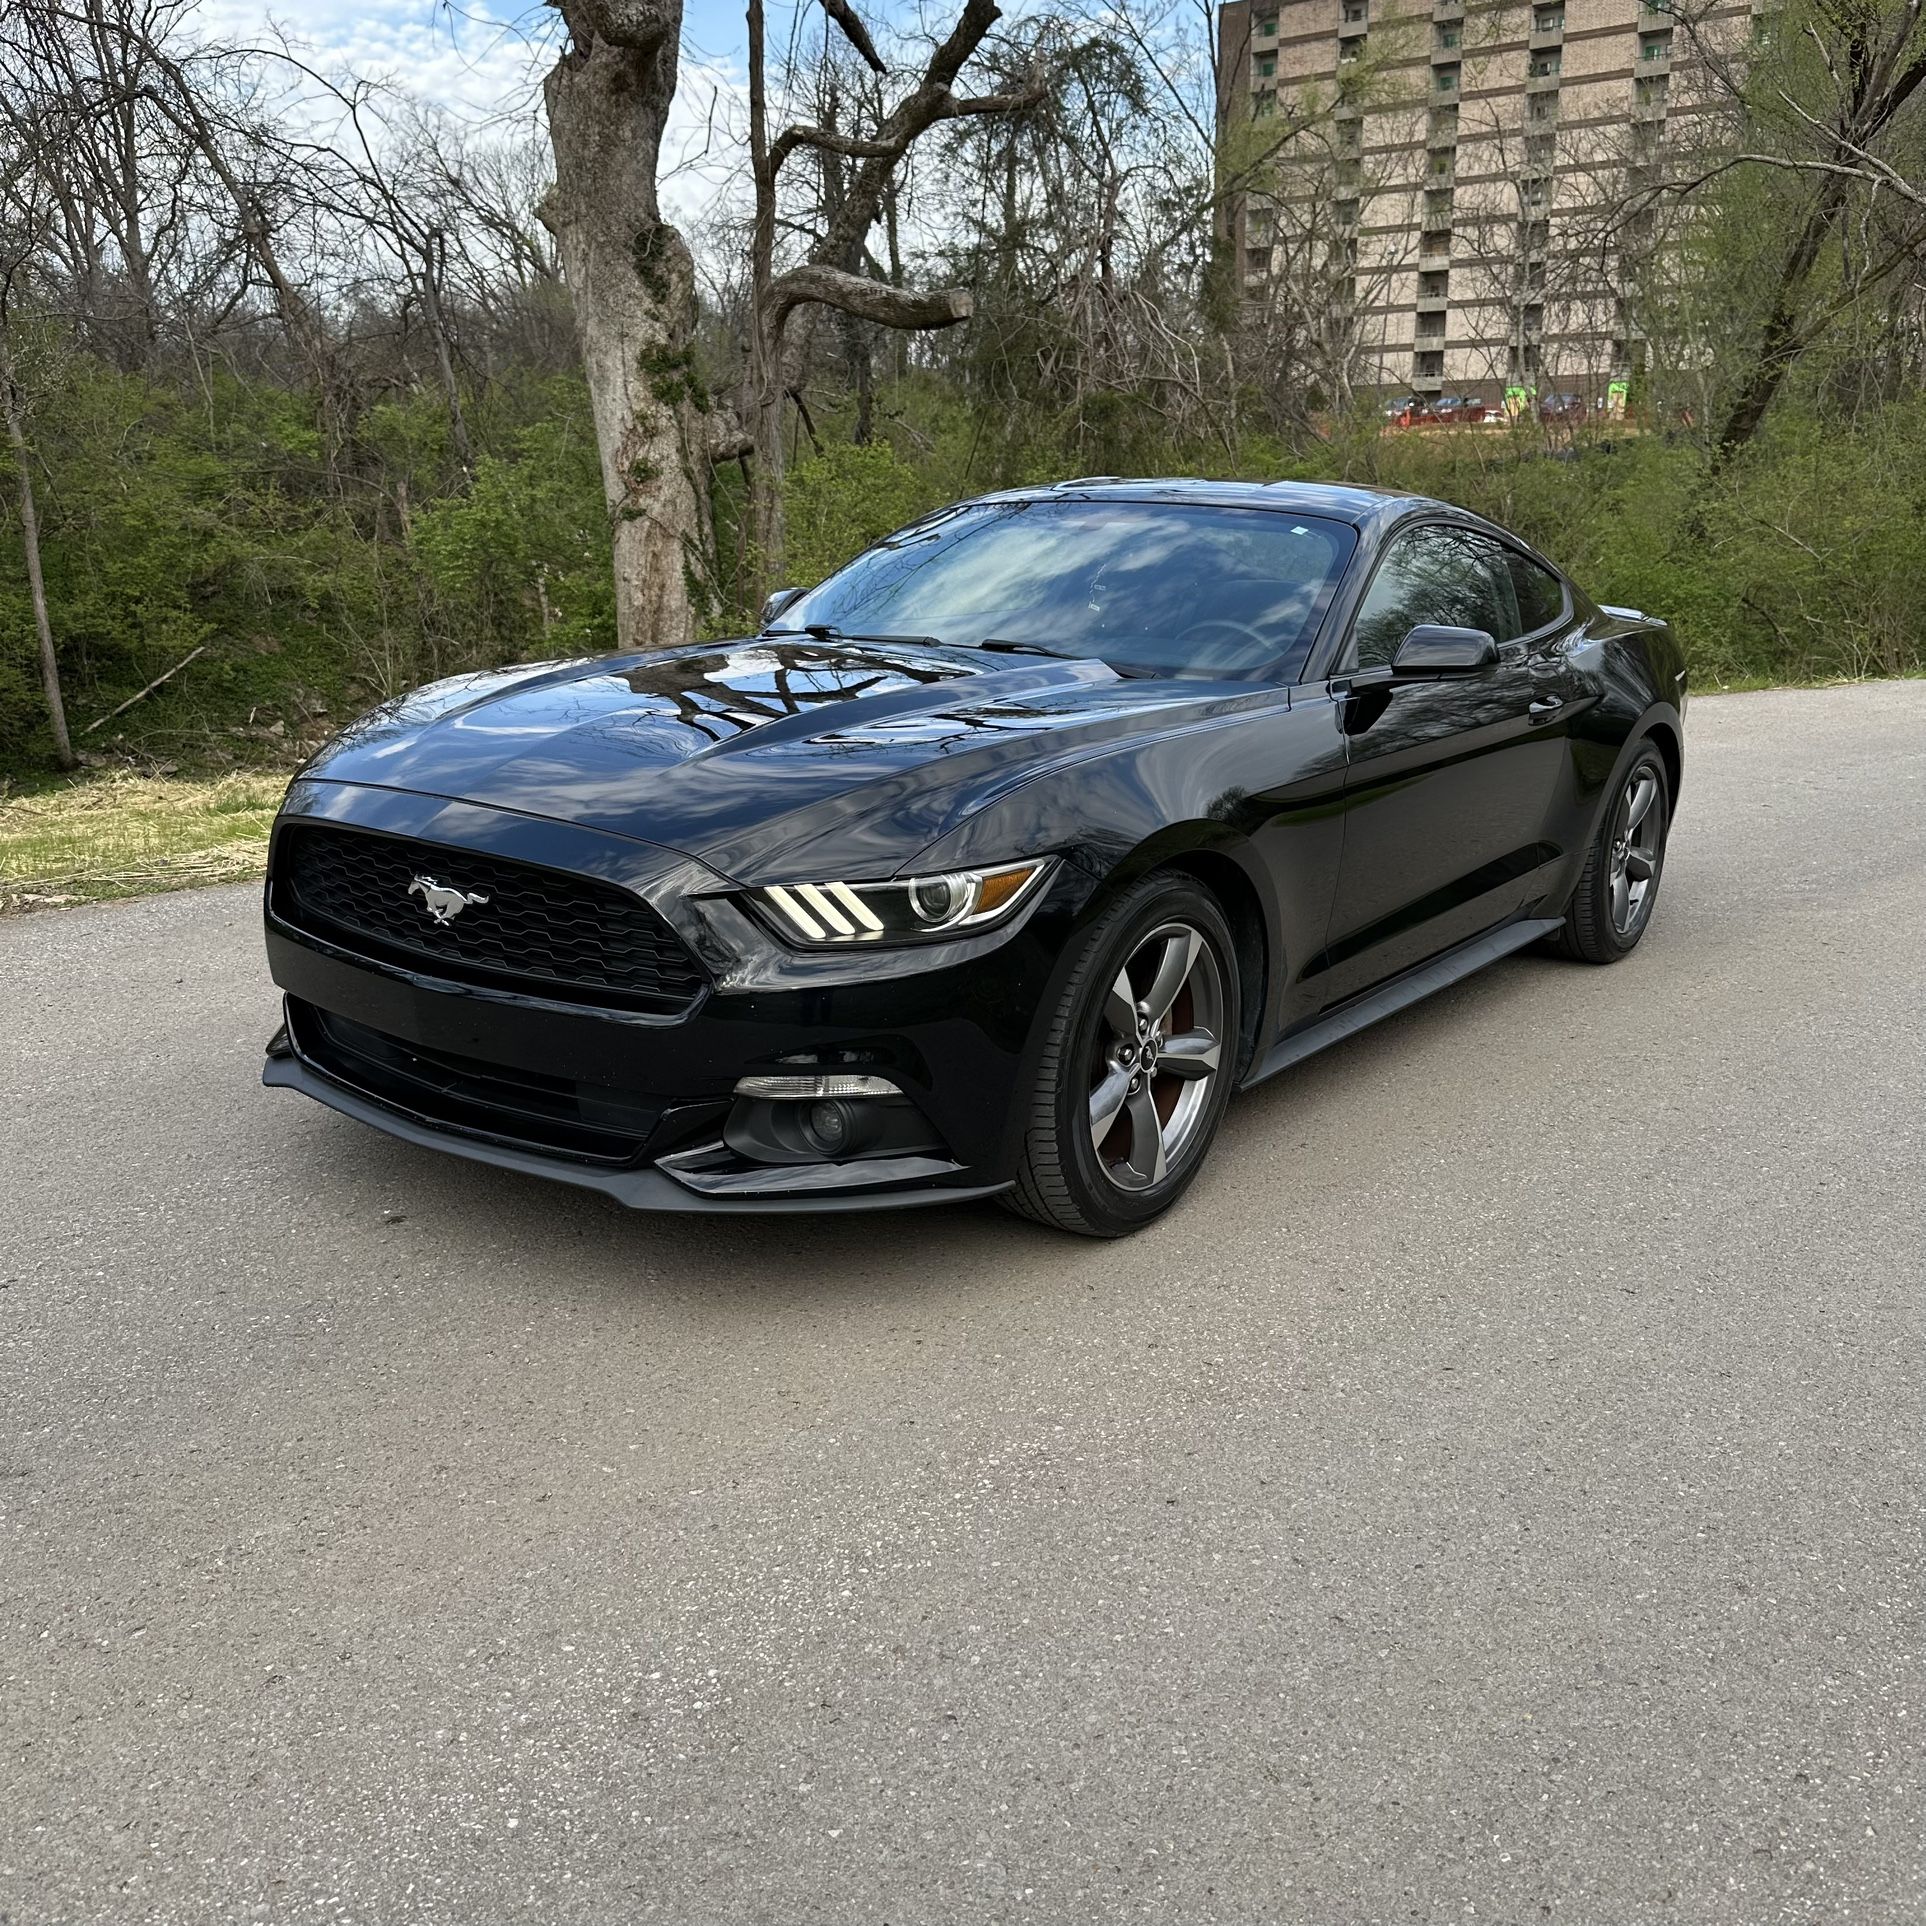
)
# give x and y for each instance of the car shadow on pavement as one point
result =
(481, 1218)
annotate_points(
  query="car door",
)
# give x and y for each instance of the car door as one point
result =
(1449, 781)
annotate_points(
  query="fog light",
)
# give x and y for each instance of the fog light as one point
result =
(830, 1127)
(815, 1089)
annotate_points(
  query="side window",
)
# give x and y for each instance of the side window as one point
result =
(1431, 574)
(1495, 559)
(1541, 595)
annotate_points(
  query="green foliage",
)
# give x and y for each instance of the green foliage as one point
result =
(207, 516)
(524, 555)
(840, 501)
(175, 519)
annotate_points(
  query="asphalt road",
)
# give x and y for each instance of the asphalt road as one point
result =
(1494, 1496)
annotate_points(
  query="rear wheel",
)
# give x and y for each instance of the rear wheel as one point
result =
(1618, 886)
(1136, 1066)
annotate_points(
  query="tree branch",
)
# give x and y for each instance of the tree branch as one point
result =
(855, 33)
(868, 300)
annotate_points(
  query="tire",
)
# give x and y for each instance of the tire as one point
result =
(1601, 923)
(1109, 1182)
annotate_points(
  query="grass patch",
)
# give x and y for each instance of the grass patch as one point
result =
(125, 835)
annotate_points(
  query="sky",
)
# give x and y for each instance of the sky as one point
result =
(484, 60)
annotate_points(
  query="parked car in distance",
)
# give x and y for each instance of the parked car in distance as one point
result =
(1563, 408)
(991, 866)
(1409, 411)
(1459, 408)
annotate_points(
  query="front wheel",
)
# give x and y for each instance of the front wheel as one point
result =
(1612, 905)
(1136, 1066)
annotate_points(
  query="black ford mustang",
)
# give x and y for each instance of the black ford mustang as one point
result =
(994, 864)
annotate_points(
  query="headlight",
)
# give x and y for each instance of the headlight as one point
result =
(903, 910)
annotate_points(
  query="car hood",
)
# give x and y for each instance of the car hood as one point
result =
(765, 758)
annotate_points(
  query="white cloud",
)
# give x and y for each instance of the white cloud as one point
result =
(486, 68)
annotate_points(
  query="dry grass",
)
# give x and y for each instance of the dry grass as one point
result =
(126, 835)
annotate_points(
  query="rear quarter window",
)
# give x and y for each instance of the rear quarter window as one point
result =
(1541, 595)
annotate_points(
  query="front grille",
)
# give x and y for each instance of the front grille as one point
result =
(524, 1107)
(540, 930)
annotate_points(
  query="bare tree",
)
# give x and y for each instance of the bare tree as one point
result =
(22, 216)
(633, 286)
(1829, 114)
(829, 273)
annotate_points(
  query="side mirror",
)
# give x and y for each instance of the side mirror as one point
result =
(1433, 649)
(775, 605)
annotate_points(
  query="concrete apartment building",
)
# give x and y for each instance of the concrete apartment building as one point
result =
(1458, 216)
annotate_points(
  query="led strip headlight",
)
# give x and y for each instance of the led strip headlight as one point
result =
(903, 910)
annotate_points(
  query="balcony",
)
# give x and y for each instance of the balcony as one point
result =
(1432, 304)
(1542, 39)
(1542, 83)
(1447, 56)
(1434, 249)
(1351, 27)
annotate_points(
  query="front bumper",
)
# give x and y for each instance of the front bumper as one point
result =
(635, 1104)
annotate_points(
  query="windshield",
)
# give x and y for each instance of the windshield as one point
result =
(1148, 587)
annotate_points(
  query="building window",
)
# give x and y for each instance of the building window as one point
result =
(1264, 107)
(1428, 362)
(1350, 136)
(1441, 164)
(1444, 123)
(1448, 37)
(1437, 205)
(1544, 64)
(1354, 11)
(1649, 91)
(1447, 80)
(1267, 67)
(1548, 20)
(1655, 46)
(1268, 24)
(1351, 49)
(1346, 213)
(1433, 284)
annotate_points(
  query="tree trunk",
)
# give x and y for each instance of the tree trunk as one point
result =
(633, 288)
(762, 387)
(36, 582)
(434, 265)
(1779, 339)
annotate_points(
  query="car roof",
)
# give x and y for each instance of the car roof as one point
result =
(1338, 501)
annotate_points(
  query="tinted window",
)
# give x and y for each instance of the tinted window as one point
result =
(1541, 595)
(1152, 586)
(1432, 574)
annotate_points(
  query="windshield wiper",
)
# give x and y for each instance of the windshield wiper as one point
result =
(825, 632)
(1127, 670)
(1026, 648)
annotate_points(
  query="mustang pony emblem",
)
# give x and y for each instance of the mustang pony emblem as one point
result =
(444, 902)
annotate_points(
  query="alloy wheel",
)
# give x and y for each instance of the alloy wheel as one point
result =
(1159, 1051)
(1636, 843)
